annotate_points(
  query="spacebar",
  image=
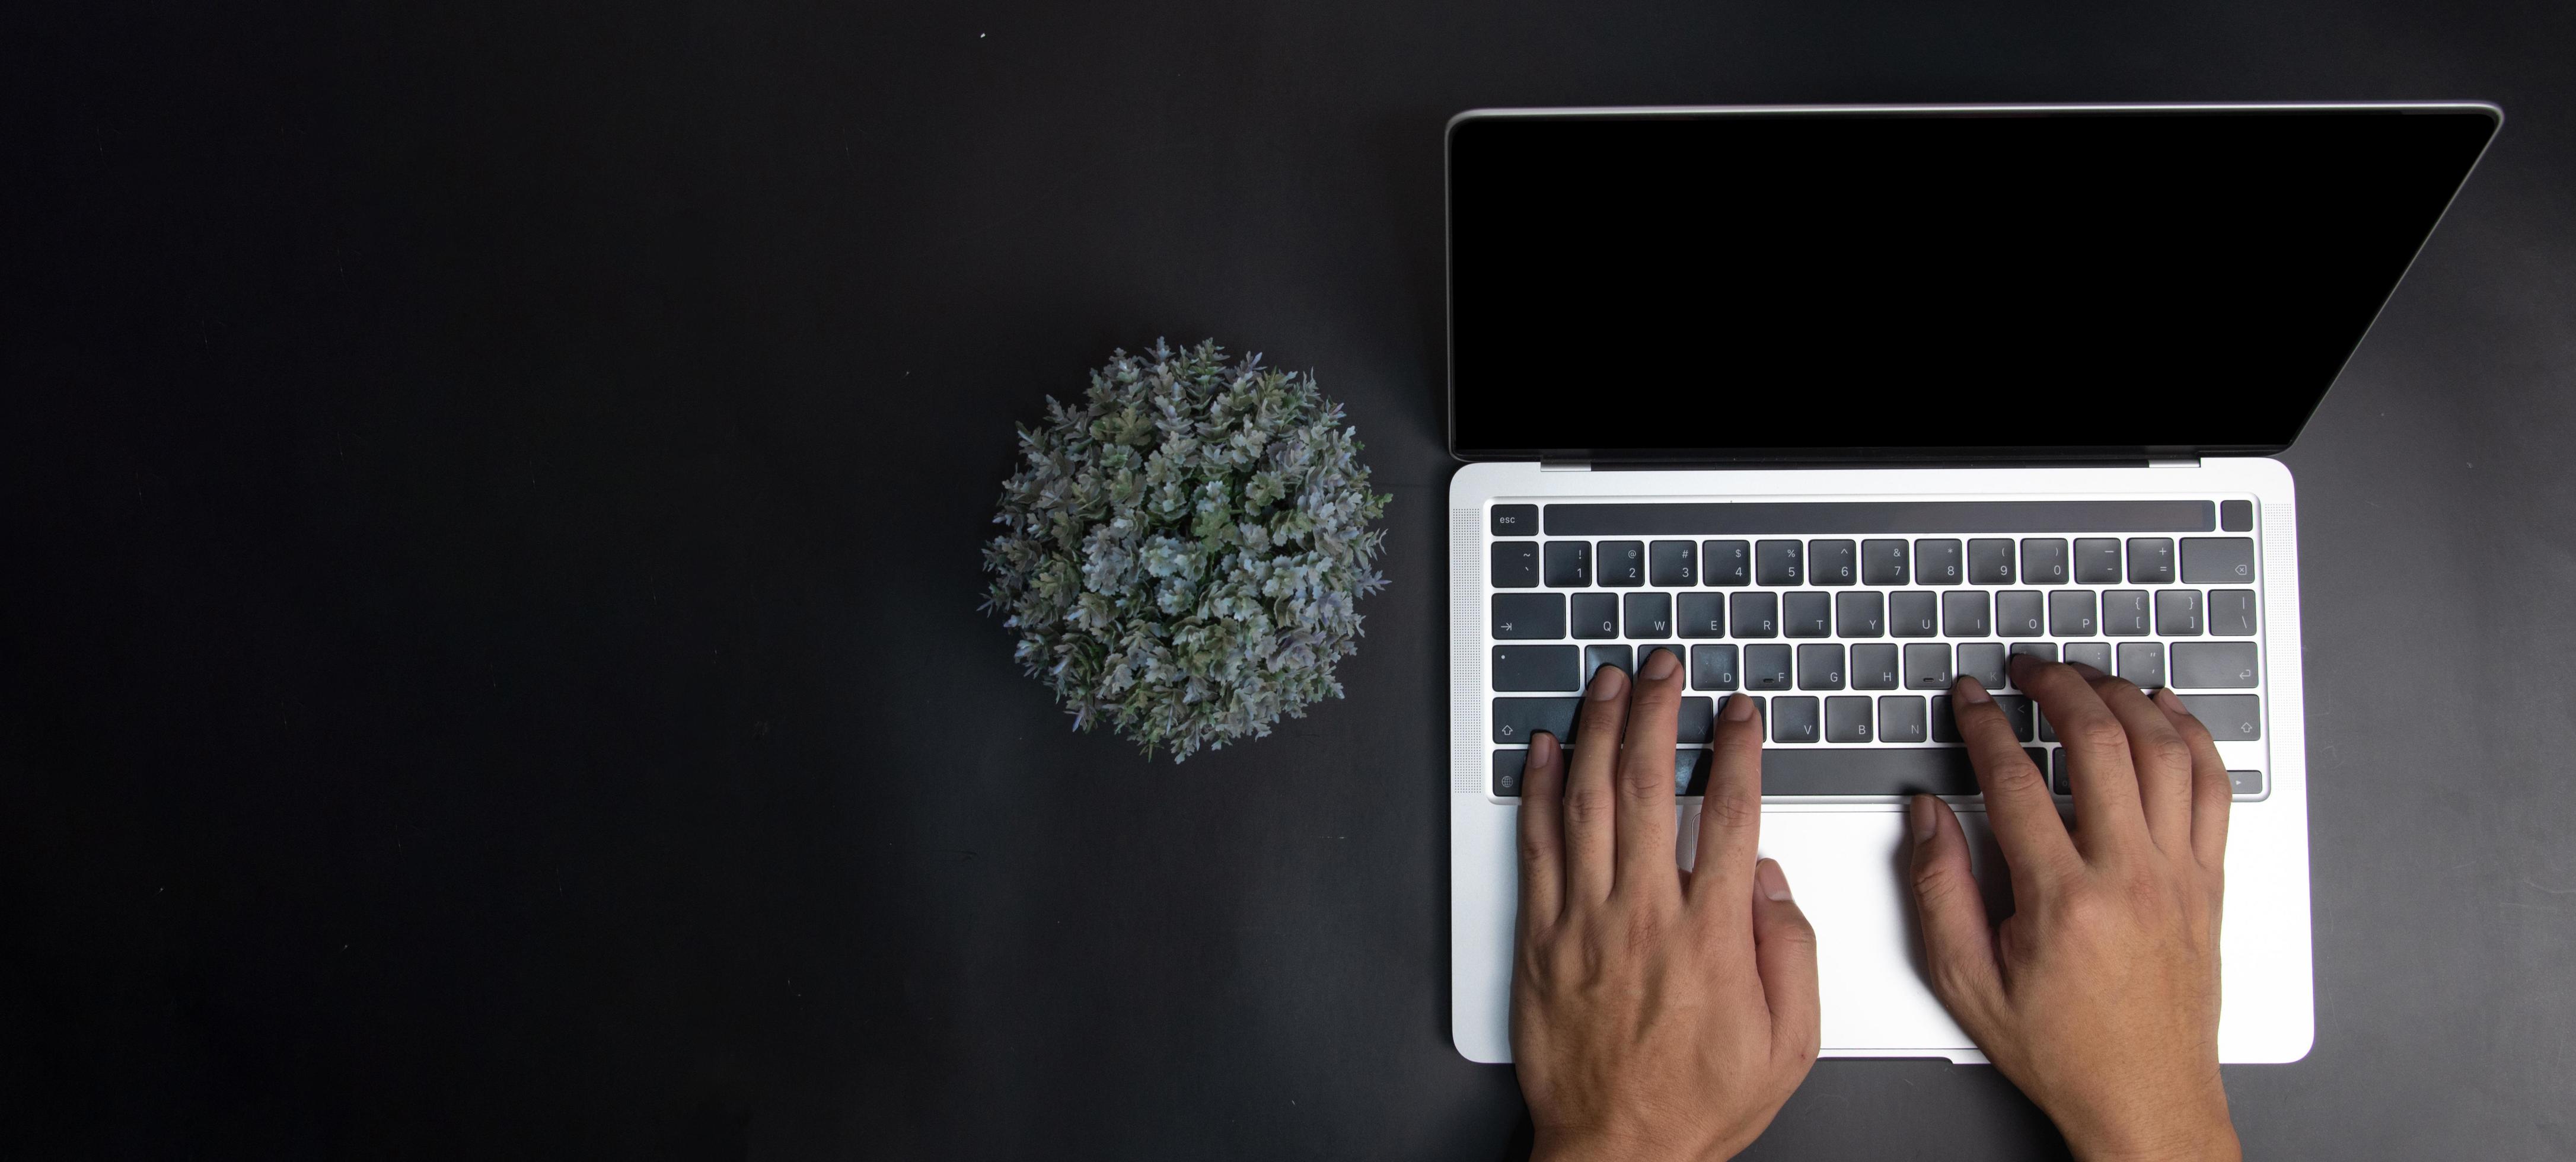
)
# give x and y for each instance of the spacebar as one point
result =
(1875, 770)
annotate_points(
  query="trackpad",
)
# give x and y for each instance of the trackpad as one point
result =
(1849, 870)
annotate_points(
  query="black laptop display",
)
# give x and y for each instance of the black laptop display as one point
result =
(1925, 286)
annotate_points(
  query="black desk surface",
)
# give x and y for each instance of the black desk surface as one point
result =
(489, 661)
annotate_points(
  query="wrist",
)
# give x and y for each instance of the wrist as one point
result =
(2202, 1134)
(1572, 1144)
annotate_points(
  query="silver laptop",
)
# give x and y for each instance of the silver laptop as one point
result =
(1839, 403)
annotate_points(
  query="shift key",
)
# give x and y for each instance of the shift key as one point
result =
(2229, 717)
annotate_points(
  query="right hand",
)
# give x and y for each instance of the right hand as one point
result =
(2099, 995)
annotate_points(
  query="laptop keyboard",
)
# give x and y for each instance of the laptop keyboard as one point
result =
(1845, 622)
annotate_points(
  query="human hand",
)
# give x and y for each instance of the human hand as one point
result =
(2099, 995)
(1656, 1013)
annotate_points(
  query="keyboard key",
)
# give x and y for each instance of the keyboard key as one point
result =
(2047, 733)
(2143, 663)
(2016, 710)
(1912, 613)
(2044, 651)
(1900, 718)
(1649, 615)
(2249, 784)
(2097, 561)
(1964, 614)
(1727, 563)
(2236, 516)
(1693, 722)
(1871, 770)
(1820, 667)
(2178, 612)
(2043, 561)
(2229, 717)
(1833, 562)
(1761, 706)
(2213, 665)
(1936, 562)
(1596, 615)
(1712, 667)
(1569, 564)
(1927, 666)
(1754, 614)
(2070, 613)
(1535, 668)
(2124, 612)
(1944, 727)
(1623, 564)
(1595, 657)
(1701, 614)
(1883, 562)
(1529, 616)
(2057, 784)
(1807, 614)
(2094, 654)
(1648, 651)
(1517, 720)
(1507, 772)
(1873, 667)
(1779, 563)
(2017, 614)
(1847, 719)
(1793, 719)
(1984, 661)
(2217, 560)
(2151, 561)
(1691, 771)
(1990, 561)
(1515, 520)
(1673, 564)
(1515, 565)
(1861, 614)
(2231, 612)
(1766, 667)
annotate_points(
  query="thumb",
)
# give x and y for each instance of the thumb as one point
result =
(1784, 952)
(1958, 942)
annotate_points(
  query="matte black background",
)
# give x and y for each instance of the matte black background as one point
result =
(488, 651)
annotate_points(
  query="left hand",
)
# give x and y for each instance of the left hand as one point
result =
(1656, 1013)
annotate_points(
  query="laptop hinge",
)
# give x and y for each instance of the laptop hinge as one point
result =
(1564, 466)
(2174, 462)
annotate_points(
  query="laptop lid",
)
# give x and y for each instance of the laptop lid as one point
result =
(1926, 284)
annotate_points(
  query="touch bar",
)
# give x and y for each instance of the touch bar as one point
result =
(1880, 770)
(1886, 517)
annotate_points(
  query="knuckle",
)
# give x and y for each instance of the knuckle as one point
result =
(1734, 811)
(1586, 802)
(2014, 775)
(2101, 734)
(2165, 753)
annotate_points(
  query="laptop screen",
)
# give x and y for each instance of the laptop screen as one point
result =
(1835, 285)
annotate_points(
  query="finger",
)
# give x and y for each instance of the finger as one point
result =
(1590, 800)
(1958, 940)
(2105, 781)
(2213, 794)
(1730, 813)
(1542, 837)
(2033, 838)
(1784, 952)
(1645, 804)
(2162, 761)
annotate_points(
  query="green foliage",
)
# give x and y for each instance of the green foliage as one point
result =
(1187, 549)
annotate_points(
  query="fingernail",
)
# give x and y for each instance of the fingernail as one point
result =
(2089, 672)
(1660, 665)
(1738, 708)
(1543, 748)
(1775, 885)
(1608, 682)
(1970, 692)
(1918, 815)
